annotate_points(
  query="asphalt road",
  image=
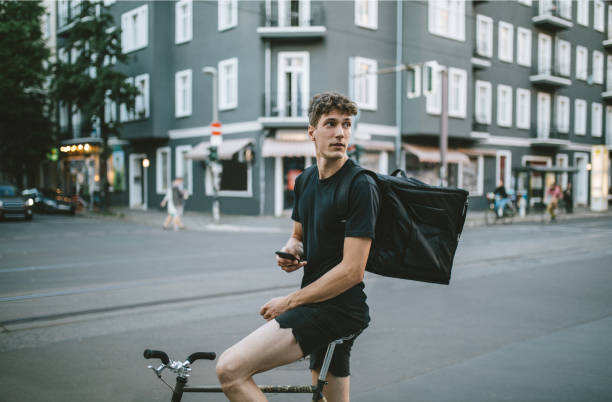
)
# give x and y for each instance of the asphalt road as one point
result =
(527, 316)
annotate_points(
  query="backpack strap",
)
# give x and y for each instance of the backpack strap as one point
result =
(341, 197)
(303, 178)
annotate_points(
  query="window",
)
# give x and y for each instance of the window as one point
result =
(227, 14)
(598, 66)
(484, 35)
(523, 47)
(366, 13)
(162, 170)
(184, 167)
(292, 12)
(46, 25)
(293, 84)
(134, 29)
(62, 12)
(457, 92)
(523, 108)
(503, 168)
(609, 22)
(433, 104)
(365, 82)
(582, 12)
(504, 106)
(564, 58)
(76, 122)
(580, 117)
(483, 102)
(596, 116)
(471, 178)
(598, 16)
(581, 62)
(182, 86)
(228, 84)
(505, 47)
(544, 54)
(543, 115)
(183, 21)
(142, 100)
(126, 114)
(63, 116)
(609, 73)
(565, 9)
(563, 114)
(110, 108)
(447, 19)
(75, 8)
(236, 180)
(609, 125)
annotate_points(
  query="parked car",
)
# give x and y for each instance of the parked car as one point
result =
(13, 205)
(50, 201)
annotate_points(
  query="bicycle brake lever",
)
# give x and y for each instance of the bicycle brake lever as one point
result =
(158, 370)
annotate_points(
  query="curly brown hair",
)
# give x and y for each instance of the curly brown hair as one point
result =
(327, 102)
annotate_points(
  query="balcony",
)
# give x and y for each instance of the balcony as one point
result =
(294, 22)
(293, 115)
(607, 44)
(548, 77)
(552, 16)
(607, 95)
(479, 126)
(548, 137)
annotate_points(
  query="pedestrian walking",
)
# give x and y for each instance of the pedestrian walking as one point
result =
(175, 199)
(553, 194)
(331, 303)
(568, 198)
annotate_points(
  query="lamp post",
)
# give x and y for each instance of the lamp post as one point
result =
(215, 142)
(145, 165)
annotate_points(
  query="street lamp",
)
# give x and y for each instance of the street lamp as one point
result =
(145, 164)
(215, 141)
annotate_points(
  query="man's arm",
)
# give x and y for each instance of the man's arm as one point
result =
(339, 279)
(293, 246)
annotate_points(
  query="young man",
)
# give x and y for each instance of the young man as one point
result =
(332, 251)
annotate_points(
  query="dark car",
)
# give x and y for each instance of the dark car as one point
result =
(13, 205)
(50, 201)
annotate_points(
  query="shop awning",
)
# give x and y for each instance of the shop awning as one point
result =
(432, 154)
(273, 148)
(369, 145)
(478, 151)
(226, 151)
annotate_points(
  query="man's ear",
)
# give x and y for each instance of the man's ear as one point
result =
(311, 130)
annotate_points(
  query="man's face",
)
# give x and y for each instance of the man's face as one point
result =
(332, 134)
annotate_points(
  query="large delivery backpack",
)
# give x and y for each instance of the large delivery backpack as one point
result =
(418, 226)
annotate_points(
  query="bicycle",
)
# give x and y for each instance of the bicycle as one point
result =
(491, 213)
(182, 370)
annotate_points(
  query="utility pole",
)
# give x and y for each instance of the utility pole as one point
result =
(444, 127)
(216, 169)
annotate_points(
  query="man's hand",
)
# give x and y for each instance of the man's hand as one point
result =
(274, 308)
(288, 265)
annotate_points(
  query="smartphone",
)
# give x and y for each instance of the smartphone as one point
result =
(288, 256)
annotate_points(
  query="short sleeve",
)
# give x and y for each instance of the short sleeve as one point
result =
(364, 201)
(295, 215)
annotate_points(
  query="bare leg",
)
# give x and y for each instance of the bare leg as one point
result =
(178, 222)
(167, 221)
(267, 347)
(337, 388)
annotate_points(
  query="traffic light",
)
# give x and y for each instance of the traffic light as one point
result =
(212, 154)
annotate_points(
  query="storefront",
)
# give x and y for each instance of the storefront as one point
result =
(80, 167)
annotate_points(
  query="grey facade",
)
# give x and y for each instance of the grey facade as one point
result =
(288, 51)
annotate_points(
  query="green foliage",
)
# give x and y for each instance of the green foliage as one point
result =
(25, 131)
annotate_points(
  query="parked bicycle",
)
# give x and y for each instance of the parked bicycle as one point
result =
(182, 370)
(504, 214)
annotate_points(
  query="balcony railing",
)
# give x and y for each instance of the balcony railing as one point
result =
(552, 16)
(293, 23)
(549, 77)
(547, 136)
(479, 125)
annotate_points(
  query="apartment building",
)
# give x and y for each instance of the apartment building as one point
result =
(526, 86)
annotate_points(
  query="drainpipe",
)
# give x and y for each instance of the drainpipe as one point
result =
(398, 84)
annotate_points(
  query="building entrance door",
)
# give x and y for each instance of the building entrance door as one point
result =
(581, 179)
(137, 182)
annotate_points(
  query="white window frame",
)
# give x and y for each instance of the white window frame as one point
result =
(456, 26)
(545, 54)
(580, 119)
(582, 61)
(457, 82)
(596, 119)
(599, 15)
(248, 193)
(523, 120)
(228, 100)
(227, 14)
(609, 22)
(609, 74)
(110, 108)
(565, 9)
(507, 44)
(484, 35)
(183, 21)
(125, 114)
(129, 43)
(433, 100)
(143, 97)
(500, 90)
(181, 109)
(562, 160)
(564, 57)
(483, 116)
(598, 67)
(582, 12)
(282, 83)
(609, 125)
(543, 122)
(366, 14)
(178, 167)
(368, 82)
(562, 113)
(159, 185)
(508, 176)
(63, 12)
(523, 46)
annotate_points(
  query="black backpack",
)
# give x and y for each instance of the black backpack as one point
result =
(418, 226)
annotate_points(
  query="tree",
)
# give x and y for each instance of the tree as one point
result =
(26, 133)
(90, 79)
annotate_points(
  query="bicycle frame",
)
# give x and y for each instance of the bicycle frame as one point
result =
(182, 369)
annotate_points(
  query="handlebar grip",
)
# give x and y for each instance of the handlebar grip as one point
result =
(156, 354)
(202, 355)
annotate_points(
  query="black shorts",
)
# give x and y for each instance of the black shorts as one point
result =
(315, 326)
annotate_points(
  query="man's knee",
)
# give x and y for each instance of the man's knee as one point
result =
(228, 369)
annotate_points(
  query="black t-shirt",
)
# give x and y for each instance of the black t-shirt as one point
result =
(324, 231)
(501, 191)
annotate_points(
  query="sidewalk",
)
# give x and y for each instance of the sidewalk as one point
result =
(202, 221)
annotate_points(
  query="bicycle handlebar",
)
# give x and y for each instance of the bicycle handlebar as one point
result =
(156, 354)
(202, 355)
